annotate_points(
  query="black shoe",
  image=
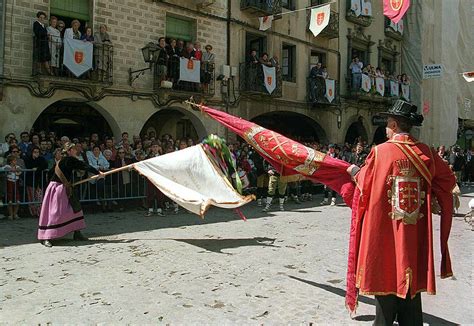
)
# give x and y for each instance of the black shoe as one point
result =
(47, 243)
(79, 237)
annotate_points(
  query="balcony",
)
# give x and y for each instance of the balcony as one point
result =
(48, 57)
(332, 29)
(391, 30)
(261, 7)
(361, 20)
(252, 81)
(319, 91)
(166, 76)
(393, 90)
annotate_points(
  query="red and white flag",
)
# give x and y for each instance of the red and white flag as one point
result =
(380, 85)
(330, 90)
(406, 92)
(77, 56)
(190, 70)
(319, 19)
(365, 83)
(269, 75)
(468, 76)
(394, 88)
(395, 9)
(265, 22)
(356, 7)
(366, 8)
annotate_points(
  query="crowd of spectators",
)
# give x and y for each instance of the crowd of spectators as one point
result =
(254, 76)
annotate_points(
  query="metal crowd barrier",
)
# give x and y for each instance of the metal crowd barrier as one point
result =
(124, 185)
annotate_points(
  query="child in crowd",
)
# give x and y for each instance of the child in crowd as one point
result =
(13, 186)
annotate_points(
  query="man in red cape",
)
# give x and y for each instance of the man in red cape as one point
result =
(391, 245)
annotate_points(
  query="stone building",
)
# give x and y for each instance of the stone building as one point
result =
(126, 99)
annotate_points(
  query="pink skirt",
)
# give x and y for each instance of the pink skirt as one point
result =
(57, 217)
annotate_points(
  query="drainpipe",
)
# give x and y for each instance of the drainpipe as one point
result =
(2, 44)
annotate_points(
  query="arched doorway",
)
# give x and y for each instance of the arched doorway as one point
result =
(355, 132)
(73, 118)
(380, 135)
(293, 125)
(176, 122)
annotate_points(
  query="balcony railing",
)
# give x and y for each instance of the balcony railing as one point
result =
(48, 60)
(252, 80)
(167, 76)
(323, 91)
(261, 7)
(391, 30)
(362, 20)
(332, 29)
(392, 89)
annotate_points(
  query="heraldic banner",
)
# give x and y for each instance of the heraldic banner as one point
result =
(189, 178)
(269, 76)
(189, 70)
(319, 19)
(366, 84)
(330, 90)
(77, 56)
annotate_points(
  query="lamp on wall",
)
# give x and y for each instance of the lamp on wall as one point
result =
(150, 55)
(339, 120)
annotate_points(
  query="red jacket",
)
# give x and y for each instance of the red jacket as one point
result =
(391, 249)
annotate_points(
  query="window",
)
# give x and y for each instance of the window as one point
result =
(363, 56)
(317, 2)
(68, 10)
(255, 42)
(178, 28)
(288, 55)
(288, 4)
(317, 57)
(388, 66)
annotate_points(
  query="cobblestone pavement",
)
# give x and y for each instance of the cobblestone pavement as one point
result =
(276, 268)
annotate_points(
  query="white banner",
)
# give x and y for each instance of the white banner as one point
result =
(319, 19)
(365, 83)
(406, 92)
(330, 90)
(394, 88)
(366, 8)
(77, 56)
(380, 85)
(356, 7)
(269, 76)
(189, 178)
(265, 22)
(190, 70)
(468, 76)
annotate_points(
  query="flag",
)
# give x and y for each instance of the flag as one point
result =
(77, 56)
(265, 22)
(400, 26)
(406, 92)
(330, 90)
(365, 83)
(319, 19)
(468, 76)
(190, 70)
(356, 7)
(380, 85)
(394, 88)
(287, 156)
(269, 75)
(366, 8)
(190, 179)
(395, 9)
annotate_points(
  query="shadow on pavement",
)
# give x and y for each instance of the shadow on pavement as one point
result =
(217, 245)
(427, 318)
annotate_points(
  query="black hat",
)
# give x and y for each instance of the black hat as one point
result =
(405, 110)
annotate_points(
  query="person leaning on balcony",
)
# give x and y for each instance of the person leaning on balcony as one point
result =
(162, 59)
(87, 36)
(41, 47)
(197, 50)
(55, 44)
(102, 51)
(275, 63)
(315, 74)
(264, 60)
(173, 62)
(356, 71)
(73, 32)
(207, 67)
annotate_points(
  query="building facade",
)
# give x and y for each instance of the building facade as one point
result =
(123, 98)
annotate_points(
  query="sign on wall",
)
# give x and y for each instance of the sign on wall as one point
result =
(432, 71)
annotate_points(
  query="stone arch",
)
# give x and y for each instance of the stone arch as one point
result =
(356, 127)
(77, 117)
(177, 121)
(295, 125)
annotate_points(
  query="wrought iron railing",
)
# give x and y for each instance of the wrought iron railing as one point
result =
(48, 60)
(252, 80)
(391, 31)
(392, 89)
(268, 7)
(362, 20)
(321, 92)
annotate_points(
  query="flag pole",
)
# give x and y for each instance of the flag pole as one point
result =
(104, 174)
